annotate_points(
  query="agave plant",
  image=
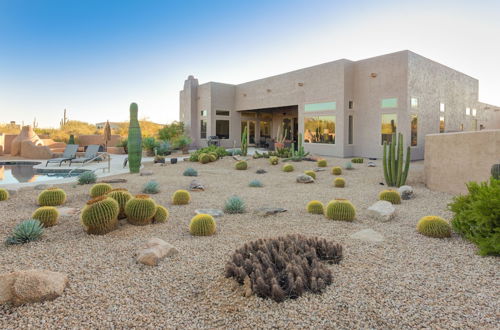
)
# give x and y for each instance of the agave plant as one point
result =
(27, 231)
(234, 205)
(152, 187)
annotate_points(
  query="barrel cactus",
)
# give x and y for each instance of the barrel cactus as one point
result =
(273, 160)
(212, 156)
(288, 168)
(161, 214)
(322, 163)
(315, 207)
(202, 225)
(47, 215)
(181, 197)
(339, 182)
(4, 194)
(100, 215)
(357, 160)
(140, 210)
(336, 170)
(495, 172)
(241, 165)
(204, 158)
(340, 209)
(434, 226)
(25, 232)
(391, 196)
(134, 144)
(100, 189)
(312, 174)
(52, 197)
(122, 196)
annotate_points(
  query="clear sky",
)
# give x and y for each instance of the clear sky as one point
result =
(94, 57)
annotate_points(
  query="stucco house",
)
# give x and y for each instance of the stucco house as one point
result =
(342, 108)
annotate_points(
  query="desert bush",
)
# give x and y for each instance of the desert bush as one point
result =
(315, 207)
(390, 195)
(150, 144)
(151, 187)
(284, 267)
(52, 197)
(336, 170)
(202, 225)
(25, 232)
(190, 172)
(312, 174)
(340, 209)
(234, 205)
(477, 215)
(434, 226)
(47, 215)
(140, 210)
(100, 215)
(87, 177)
(100, 189)
(255, 184)
(181, 197)
(4, 194)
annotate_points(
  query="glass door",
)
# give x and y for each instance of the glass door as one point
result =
(250, 124)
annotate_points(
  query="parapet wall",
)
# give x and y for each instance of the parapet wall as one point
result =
(453, 159)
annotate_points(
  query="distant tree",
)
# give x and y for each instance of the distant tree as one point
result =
(171, 131)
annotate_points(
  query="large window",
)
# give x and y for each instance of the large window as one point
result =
(441, 124)
(203, 129)
(414, 129)
(389, 103)
(222, 113)
(389, 125)
(325, 106)
(319, 129)
(222, 128)
(265, 129)
(351, 124)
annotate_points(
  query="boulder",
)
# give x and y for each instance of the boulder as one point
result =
(118, 180)
(213, 212)
(265, 211)
(154, 250)
(406, 192)
(146, 173)
(382, 211)
(196, 185)
(304, 178)
(261, 171)
(368, 235)
(319, 169)
(30, 286)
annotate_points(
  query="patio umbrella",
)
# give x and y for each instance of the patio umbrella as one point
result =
(107, 134)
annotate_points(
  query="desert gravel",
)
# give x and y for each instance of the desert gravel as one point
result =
(406, 281)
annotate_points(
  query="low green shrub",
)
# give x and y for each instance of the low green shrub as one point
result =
(151, 187)
(234, 205)
(190, 172)
(219, 151)
(87, 177)
(255, 183)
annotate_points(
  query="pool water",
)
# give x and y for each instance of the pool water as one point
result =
(21, 172)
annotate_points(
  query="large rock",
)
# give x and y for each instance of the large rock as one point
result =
(382, 211)
(213, 212)
(155, 250)
(304, 178)
(30, 286)
(368, 235)
(406, 192)
(146, 173)
(196, 185)
(265, 211)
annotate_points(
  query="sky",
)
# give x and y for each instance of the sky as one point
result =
(95, 57)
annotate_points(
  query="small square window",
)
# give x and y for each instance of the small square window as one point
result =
(467, 111)
(350, 104)
(414, 102)
(389, 103)
(441, 107)
(474, 112)
(203, 113)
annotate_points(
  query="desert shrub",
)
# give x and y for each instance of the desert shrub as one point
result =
(348, 166)
(284, 267)
(163, 148)
(241, 165)
(25, 232)
(234, 205)
(161, 214)
(121, 196)
(477, 215)
(4, 194)
(87, 177)
(150, 144)
(357, 160)
(312, 174)
(52, 197)
(340, 209)
(202, 225)
(339, 182)
(140, 210)
(274, 160)
(322, 163)
(315, 207)
(434, 226)
(390, 195)
(100, 189)
(181, 197)
(255, 184)
(190, 172)
(219, 151)
(100, 215)
(336, 170)
(151, 187)
(47, 215)
(288, 168)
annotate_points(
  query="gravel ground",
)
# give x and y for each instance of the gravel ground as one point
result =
(407, 281)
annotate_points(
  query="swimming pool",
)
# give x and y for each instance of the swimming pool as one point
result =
(22, 172)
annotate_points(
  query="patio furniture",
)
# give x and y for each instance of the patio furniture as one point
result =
(90, 155)
(213, 141)
(68, 154)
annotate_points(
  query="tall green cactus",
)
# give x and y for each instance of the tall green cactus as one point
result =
(300, 153)
(244, 142)
(134, 141)
(394, 174)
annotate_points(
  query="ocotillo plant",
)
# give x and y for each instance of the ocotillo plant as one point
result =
(394, 174)
(244, 142)
(134, 141)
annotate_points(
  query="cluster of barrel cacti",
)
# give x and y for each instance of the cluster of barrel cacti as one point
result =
(273, 160)
(202, 225)
(100, 189)
(395, 173)
(4, 194)
(140, 210)
(390, 195)
(288, 168)
(340, 209)
(315, 207)
(52, 197)
(181, 197)
(205, 158)
(312, 174)
(339, 182)
(47, 215)
(434, 226)
(121, 196)
(134, 144)
(322, 163)
(336, 170)
(241, 165)
(357, 160)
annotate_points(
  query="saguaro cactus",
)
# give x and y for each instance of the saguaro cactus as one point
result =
(394, 174)
(134, 144)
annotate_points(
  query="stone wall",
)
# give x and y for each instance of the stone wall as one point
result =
(453, 159)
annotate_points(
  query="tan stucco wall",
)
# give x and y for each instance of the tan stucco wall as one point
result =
(453, 159)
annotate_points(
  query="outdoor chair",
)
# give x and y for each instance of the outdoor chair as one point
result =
(68, 154)
(90, 155)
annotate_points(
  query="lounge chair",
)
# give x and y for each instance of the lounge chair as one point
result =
(90, 155)
(68, 154)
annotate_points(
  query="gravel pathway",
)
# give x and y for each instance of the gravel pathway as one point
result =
(406, 281)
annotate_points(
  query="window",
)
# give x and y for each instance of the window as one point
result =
(441, 107)
(441, 124)
(350, 130)
(389, 103)
(203, 129)
(222, 129)
(389, 125)
(312, 107)
(467, 111)
(222, 113)
(414, 102)
(319, 129)
(414, 129)
(350, 104)
(474, 112)
(265, 129)
(248, 114)
(203, 113)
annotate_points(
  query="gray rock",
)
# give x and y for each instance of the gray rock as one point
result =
(195, 185)
(41, 186)
(213, 212)
(261, 171)
(371, 164)
(155, 250)
(265, 211)
(319, 169)
(368, 235)
(406, 192)
(146, 173)
(67, 211)
(382, 211)
(304, 178)
(114, 181)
